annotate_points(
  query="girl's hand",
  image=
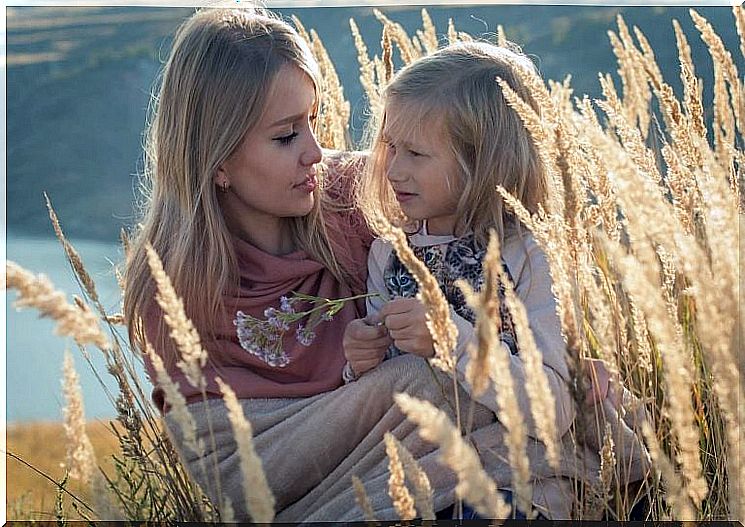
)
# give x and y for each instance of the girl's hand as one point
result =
(365, 343)
(406, 323)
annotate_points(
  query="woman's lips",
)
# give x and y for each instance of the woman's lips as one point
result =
(309, 184)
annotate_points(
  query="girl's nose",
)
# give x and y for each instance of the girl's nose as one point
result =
(393, 170)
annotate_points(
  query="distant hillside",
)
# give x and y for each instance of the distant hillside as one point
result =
(79, 81)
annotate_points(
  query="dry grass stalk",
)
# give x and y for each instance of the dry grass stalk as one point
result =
(723, 61)
(334, 109)
(501, 36)
(428, 33)
(400, 495)
(399, 36)
(176, 402)
(81, 459)
(683, 188)
(76, 321)
(724, 119)
(600, 493)
(77, 263)
(630, 136)
(691, 84)
(259, 498)
(117, 319)
(367, 70)
(674, 493)
(542, 403)
(227, 514)
(183, 332)
(739, 14)
(106, 509)
(641, 336)
(452, 33)
(513, 420)
(387, 54)
(635, 91)
(417, 476)
(487, 325)
(474, 485)
(362, 499)
(639, 280)
(442, 328)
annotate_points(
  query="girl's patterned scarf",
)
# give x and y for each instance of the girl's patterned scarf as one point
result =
(460, 258)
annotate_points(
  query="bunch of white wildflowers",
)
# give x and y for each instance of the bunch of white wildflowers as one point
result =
(263, 337)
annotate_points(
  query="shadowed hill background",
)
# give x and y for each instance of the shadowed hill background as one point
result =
(79, 81)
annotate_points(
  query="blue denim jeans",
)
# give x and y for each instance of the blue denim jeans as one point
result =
(470, 514)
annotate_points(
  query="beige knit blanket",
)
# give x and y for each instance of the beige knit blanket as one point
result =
(311, 448)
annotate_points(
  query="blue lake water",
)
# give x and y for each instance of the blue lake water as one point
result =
(34, 353)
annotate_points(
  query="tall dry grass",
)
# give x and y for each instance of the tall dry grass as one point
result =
(641, 230)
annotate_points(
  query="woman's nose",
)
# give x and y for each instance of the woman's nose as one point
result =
(312, 153)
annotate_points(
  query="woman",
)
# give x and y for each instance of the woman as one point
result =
(242, 215)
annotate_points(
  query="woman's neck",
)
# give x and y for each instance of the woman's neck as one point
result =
(271, 235)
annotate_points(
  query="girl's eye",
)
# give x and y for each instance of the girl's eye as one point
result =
(286, 139)
(414, 153)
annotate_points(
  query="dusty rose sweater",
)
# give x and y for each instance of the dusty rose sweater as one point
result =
(265, 278)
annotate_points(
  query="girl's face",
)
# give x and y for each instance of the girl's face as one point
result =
(271, 174)
(421, 170)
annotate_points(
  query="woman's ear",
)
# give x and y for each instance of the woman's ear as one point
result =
(220, 178)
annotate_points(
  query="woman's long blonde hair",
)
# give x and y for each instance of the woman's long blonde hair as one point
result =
(455, 88)
(213, 90)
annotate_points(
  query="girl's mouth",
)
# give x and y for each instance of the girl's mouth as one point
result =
(403, 197)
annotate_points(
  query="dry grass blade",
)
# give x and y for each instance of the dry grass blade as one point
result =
(76, 321)
(81, 459)
(367, 70)
(542, 402)
(739, 14)
(428, 35)
(422, 487)
(675, 493)
(259, 498)
(77, 263)
(439, 323)
(474, 485)
(400, 495)
(723, 60)
(335, 109)
(398, 35)
(176, 402)
(691, 85)
(362, 499)
(183, 332)
(642, 285)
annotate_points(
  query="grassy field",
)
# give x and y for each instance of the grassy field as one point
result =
(43, 444)
(641, 234)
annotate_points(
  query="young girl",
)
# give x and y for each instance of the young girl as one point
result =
(447, 138)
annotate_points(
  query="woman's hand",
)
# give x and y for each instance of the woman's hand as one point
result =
(405, 319)
(365, 344)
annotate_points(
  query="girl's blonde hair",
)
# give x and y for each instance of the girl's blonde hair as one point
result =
(456, 89)
(213, 91)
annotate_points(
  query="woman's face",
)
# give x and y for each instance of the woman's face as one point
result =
(271, 175)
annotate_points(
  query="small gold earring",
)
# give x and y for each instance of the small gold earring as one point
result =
(224, 187)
